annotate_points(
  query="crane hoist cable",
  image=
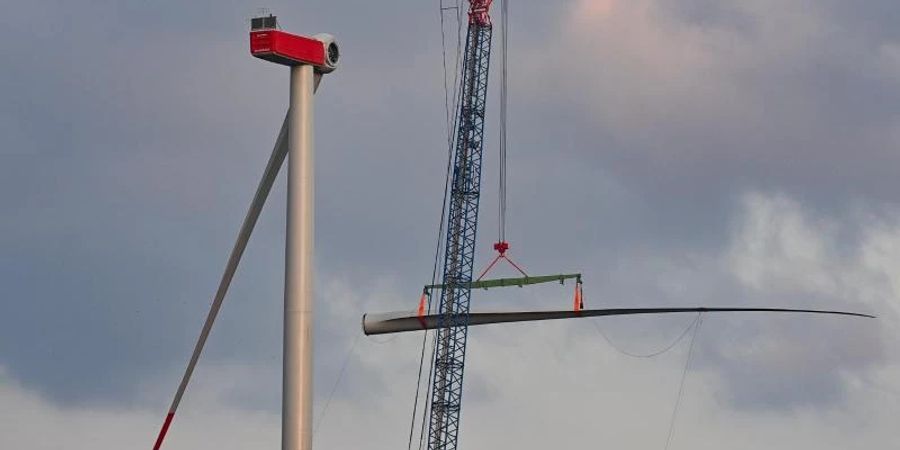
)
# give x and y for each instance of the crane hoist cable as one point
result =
(502, 245)
(504, 102)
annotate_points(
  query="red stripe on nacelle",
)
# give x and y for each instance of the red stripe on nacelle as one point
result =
(162, 432)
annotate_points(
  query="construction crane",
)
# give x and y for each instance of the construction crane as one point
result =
(453, 318)
(462, 227)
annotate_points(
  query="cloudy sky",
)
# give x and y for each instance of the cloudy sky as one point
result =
(677, 152)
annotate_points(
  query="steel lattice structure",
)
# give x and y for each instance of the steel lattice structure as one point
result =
(462, 226)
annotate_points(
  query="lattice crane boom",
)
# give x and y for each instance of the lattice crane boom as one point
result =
(462, 227)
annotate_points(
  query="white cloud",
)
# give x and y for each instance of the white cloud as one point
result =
(529, 386)
(777, 247)
(545, 390)
(780, 246)
(29, 422)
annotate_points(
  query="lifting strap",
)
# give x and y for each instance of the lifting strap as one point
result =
(579, 297)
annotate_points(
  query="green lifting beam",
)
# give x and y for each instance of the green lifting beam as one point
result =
(520, 281)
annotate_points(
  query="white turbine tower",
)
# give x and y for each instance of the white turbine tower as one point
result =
(308, 59)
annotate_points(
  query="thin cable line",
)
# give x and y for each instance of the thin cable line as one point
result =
(504, 96)
(646, 355)
(457, 87)
(387, 340)
(451, 125)
(425, 410)
(335, 386)
(687, 366)
(446, 81)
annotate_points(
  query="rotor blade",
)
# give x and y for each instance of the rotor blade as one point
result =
(401, 322)
(259, 199)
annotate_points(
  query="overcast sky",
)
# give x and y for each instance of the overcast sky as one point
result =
(676, 152)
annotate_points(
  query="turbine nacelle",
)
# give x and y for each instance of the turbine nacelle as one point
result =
(269, 43)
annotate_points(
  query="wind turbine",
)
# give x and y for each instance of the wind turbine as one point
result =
(308, 58)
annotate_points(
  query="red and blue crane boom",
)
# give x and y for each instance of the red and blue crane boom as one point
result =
(462, 227)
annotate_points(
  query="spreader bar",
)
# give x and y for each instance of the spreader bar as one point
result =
(519, 281)
(406, 321)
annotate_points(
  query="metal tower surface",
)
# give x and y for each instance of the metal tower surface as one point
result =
(462, 226)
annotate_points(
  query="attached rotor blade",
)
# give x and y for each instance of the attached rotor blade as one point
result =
(404, 321)
(262, 192)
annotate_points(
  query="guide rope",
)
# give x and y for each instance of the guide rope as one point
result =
(337, 382)
(652, 354)
(687, 366)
